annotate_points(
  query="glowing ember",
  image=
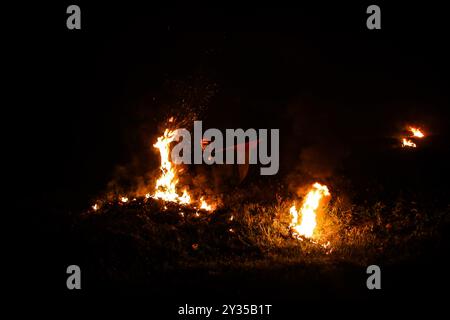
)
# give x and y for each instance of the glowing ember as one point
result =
(185, 198)
(408, 143)
(124, 199)
(205, 206)
(165, 188)
(308, 211)
(416, 132)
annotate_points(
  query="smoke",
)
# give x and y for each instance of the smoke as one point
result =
(315, 144)
(320, 161)
(177, 104)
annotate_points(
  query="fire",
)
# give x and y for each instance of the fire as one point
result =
(416, 132)
(166, 185)
(408, 143)
(308, 211)
(205, 206)
(165, 188)
(185, 198)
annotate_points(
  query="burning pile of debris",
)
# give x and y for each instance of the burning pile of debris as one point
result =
(186, 223)
(177, 204)
(166, 188)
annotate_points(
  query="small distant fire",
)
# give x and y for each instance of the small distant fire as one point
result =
(408, 143)
(415, 133)
(185, 198)
(308, 211)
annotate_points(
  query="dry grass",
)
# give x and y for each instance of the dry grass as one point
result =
(144, 236)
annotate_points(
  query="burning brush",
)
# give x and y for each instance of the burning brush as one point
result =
(308, 211)
(166, 187)
(415, 133)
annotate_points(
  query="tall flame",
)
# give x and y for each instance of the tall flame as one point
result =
(308, 211)
(165, 187)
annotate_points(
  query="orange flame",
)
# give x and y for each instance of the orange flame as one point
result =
(408, 143)
(205, 206)
(416, 132)
(166, 185)
(165, 188)
(308, 211)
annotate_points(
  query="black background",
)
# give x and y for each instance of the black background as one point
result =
(99, 89)
(90, 98)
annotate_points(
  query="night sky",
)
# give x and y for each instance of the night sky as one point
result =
(316, 73)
